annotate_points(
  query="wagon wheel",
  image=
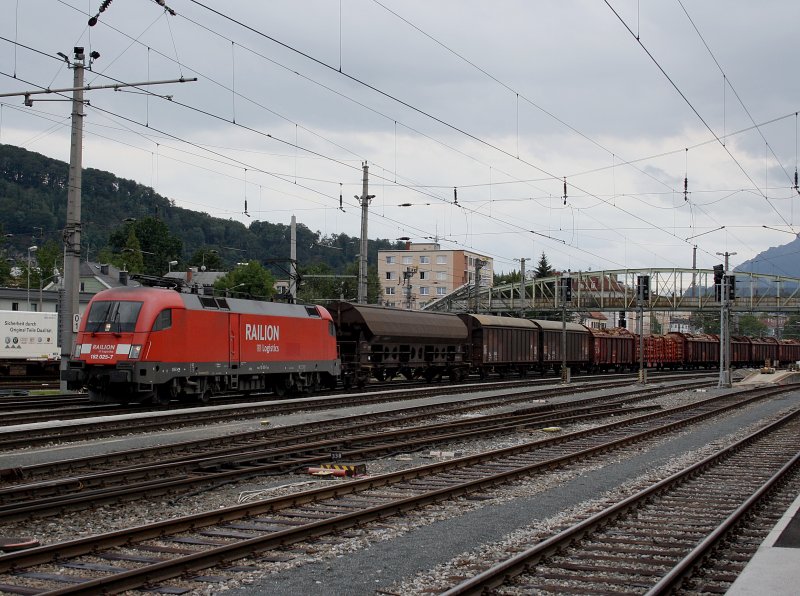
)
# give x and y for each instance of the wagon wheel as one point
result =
(205, 397)
(162, 396)
(279, 388)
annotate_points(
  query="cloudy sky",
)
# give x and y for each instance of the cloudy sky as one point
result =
(496, 102)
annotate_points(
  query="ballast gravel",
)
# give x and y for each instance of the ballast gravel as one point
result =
(427, 550)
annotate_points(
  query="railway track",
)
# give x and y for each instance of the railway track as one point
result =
(29, 409)
(281, 451)
(670, 535)
(155, 553)
(144, 422)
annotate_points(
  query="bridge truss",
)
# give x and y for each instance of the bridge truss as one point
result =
(685, 290)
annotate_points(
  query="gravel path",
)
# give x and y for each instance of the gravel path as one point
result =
(385, 564)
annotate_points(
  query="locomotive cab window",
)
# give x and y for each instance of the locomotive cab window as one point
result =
(113, 316)
(163, 320)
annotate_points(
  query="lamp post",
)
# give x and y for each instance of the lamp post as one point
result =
(31, 249)
(170, 264)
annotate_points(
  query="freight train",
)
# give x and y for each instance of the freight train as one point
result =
(148, 344)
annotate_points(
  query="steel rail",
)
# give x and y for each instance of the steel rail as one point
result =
(527, 559)
(26, 437)
(180, 565)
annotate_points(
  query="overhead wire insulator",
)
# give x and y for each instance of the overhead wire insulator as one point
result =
(565, 190)
(795, 181)
(686, 188)
(455, 191)
(341, 207)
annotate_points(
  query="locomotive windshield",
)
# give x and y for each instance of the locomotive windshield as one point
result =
(113, 316)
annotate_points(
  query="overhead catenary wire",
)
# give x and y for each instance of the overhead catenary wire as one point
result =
(691, 106)
(495, 182)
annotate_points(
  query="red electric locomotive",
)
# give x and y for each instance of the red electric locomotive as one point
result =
(152, 345)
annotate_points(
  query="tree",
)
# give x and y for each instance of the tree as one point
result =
(705, 322)
(250, 280)
(158, 246)
(49, 258)
(791, 329)
(507, 278)
(207, 257)
(655, 325)
(543, 268)
(751, 326)
(317, 284)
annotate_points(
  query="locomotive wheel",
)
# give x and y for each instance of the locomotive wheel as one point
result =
(205, 397)
(162, 396)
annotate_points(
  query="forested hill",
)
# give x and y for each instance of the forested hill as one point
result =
(33, 198)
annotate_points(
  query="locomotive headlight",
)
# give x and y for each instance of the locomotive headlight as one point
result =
(76, 351)
(134, 352)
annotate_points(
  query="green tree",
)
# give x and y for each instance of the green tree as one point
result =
(5, 259)
(543, 268)
(250, 280)
(314, 289)
(704, 322)
(206, 257)
(791, 330)
(158, 246)
(751, 326)
(655, 325)
(49, 259)
(506, 278)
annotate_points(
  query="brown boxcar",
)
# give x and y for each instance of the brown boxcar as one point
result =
(740, 351)
(501, 344)
(765, 349)
(663, 351)
(695, 351)
(383, 342)
(578, 348)
(789, 351)
(612, 349)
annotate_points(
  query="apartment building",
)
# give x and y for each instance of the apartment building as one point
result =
(421, 273)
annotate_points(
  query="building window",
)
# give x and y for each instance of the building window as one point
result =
(390, 260)
(389, 290)
(441, 260)
(391, 275)
(408, 260)
(440, 291)
(423, 274)
(441, 275)
(424, 291)
(424, 260)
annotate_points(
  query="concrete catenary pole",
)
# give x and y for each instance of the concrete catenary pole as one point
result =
(72, 229)
(362, 257)
(293, 260)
